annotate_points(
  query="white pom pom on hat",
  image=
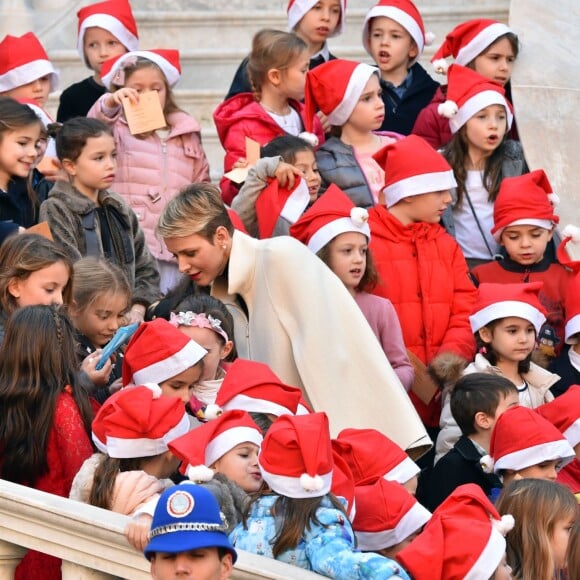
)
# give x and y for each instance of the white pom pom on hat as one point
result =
(199, 473)
(309, 137)
(448, 109)
(311, 483)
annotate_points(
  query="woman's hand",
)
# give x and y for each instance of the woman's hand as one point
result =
(89, 366)
(116, 99)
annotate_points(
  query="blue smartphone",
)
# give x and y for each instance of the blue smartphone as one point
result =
(121, 337)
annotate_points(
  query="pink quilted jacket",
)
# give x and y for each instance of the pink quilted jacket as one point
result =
(151, 171)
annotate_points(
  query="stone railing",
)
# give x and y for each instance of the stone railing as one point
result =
(90, 540)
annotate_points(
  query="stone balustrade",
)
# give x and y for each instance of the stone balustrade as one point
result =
(90, 540)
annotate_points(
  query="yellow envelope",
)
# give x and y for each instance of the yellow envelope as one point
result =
(146, 115)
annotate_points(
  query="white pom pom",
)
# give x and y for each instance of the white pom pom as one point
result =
(554, 198)
(155, 389)
(199, 473)
(448, 109)
(481, 364)
(359, 216)
(487, 463)
(310, 138)
(440, 66)
(504, 525)
(310, 483)
(212, 412)
(429, 38)
(572, 232)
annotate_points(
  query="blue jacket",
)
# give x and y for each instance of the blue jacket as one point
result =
(326, 549)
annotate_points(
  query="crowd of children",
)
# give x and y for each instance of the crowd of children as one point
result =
(385, 277)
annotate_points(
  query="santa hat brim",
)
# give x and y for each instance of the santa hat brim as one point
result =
(475, 104)
(253, 405)
(506, 309)
(480, 42)
(27, 73)
(227, 440)
(403, 472)
(334, 228)
(490, 557)
(572, 434)
(419, 184)
(539, 223)
(522, 458)
(572, 328)
(170, 72)
(291, 486)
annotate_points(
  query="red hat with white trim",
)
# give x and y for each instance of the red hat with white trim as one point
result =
(468, 93)
(495, 301)
(372, 455)
(572, 307)
(467, 41)
(44, 117)
(297, 9)
(386, 514)
(405, 13)
(522, 438)
(24, 60)
(524, 200)
(332, 214)
(570, 235)
(252, 386)
(413, 167)
(296, 456)
(335, 87)
(167, 59)
(139, 422)
(342, 480)
(275, 202)
(157, 352)
(201, 447)
(114, 16)
(564, 413)
(464, 540)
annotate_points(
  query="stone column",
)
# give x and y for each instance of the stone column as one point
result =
(10, 556)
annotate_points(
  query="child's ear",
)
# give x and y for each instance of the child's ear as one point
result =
(274, 76)
(413, 51)
(551, 233)
(226, 349)
(14, 287)
(482, 420)
(69, 166)
(73, 309)
(485, 334)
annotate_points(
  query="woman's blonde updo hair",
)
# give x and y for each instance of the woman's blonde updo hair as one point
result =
(197, 209)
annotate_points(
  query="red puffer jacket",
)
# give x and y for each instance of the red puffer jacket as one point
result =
(240, 117)
(424, 274)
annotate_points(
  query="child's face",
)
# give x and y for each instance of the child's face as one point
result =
(305, 161)
(497, 62)
(547, 470)
(18, 152)
(240, 464)
(100, 45)
(411, 485)
(559, 540)
(37, 90)
(149, 78)
(293, 79)
(503, 571)
(201, 564)
(512, 338)
(369, 112)
(485, 131)
(425, 207)
(525, 244)
(391, 47)
(216, 348)
(319, 23)
(179, 385)
(101, 319)
(348, 258)
(95, 167)
(43, 287)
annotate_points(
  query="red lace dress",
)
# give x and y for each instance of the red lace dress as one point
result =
(68, 447)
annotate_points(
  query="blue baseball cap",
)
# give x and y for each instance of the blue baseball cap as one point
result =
(187, 517)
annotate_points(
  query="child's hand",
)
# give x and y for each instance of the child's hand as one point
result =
(286, 174)
(116, 99)
(324, 120)
(137, 531)
(115, 386)
(240, 163)
(89, 366)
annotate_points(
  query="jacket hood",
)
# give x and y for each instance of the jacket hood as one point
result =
(236, 108)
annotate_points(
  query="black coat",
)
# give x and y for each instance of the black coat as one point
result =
(562, 366)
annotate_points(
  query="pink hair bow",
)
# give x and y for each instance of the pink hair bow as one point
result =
(200, 320)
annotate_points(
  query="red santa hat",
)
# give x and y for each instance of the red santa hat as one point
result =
(524, 200)
(570, 235)
(405, 13)
(167, 59)
(332, 214)
(572, 308)
(386, 515)
(138, 422)
(252, 386)
(342, 481)
(413, 167)
(203, 446)
(296, 456)
(467, 41)
(157, 352)
(522, 438)
(114, 16)
(24, 60)
(297, 9)
(276, 201)
(334, 87)
(464, 540)
(564, 413)
(468, 93)
(495, 301)
(45, 118)
(372, 455)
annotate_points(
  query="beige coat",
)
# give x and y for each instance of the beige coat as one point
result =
(304, 324)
